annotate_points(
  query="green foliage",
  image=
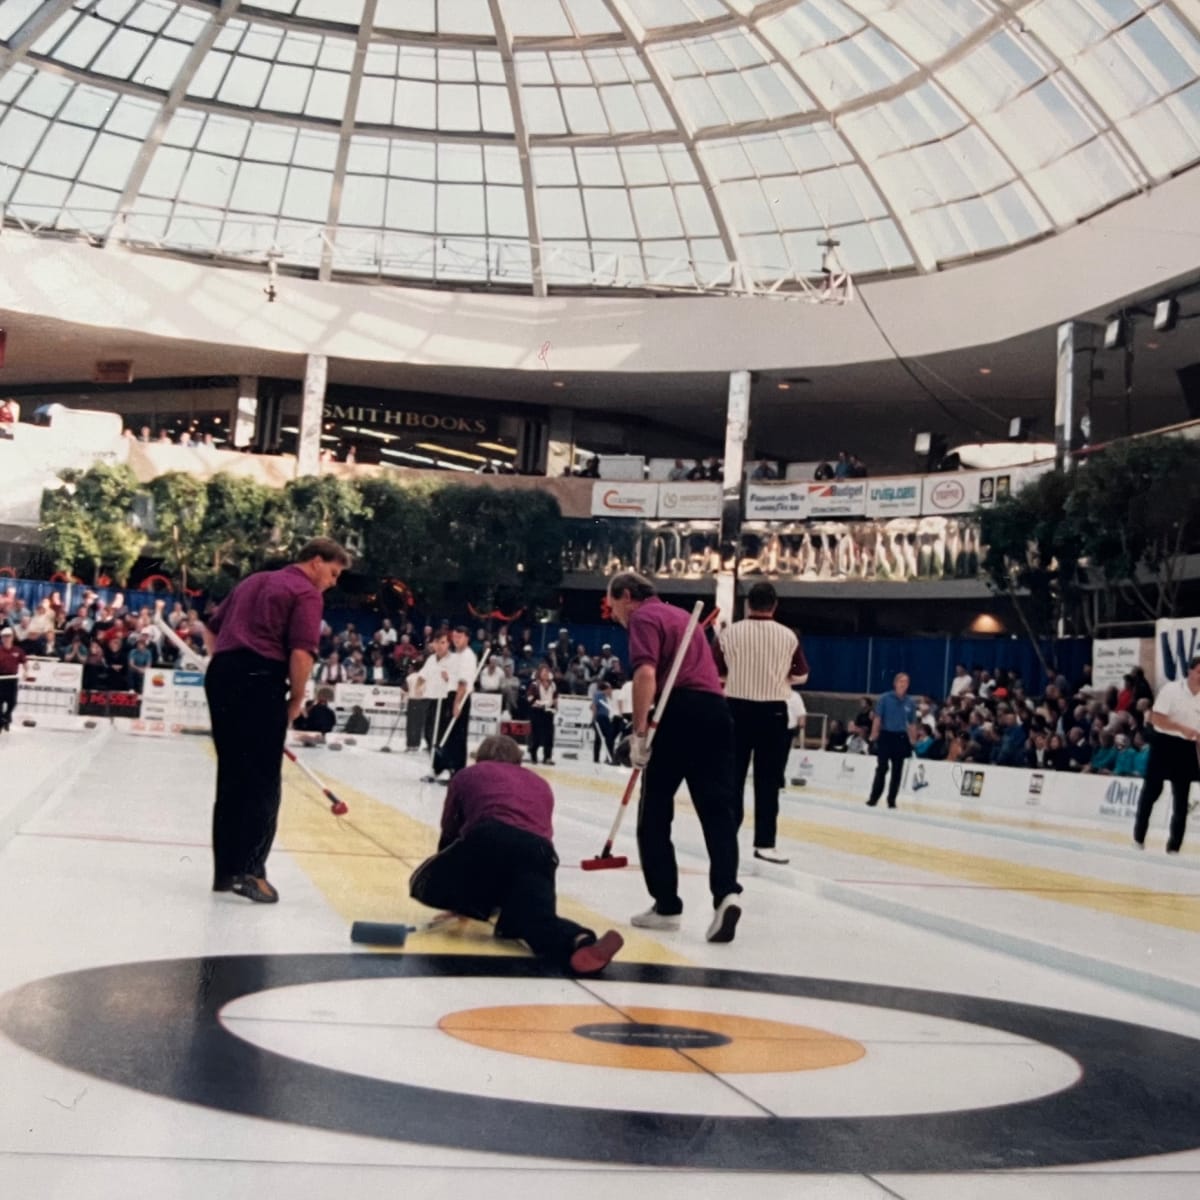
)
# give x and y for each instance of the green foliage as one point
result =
(89, 524)
(1115, 527)
(180, 505)
(1137, 510)
(321, 506)
(239, 531)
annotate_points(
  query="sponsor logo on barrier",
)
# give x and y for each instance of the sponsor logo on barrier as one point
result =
(1037, 781)
(947, 495)
(918, 778)
(624, 499)
(970, 783)
(1121, 798)
(806, 766)
(837, 499)
(845, 767)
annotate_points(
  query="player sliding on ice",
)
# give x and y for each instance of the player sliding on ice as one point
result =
(496, 852)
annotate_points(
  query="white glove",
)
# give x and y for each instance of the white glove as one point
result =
(639, 750)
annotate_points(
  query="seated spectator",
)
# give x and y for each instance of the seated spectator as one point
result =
(865, 718)
(858, 469)
(1104, 757)
(1125, 695)
(579, 673)
(961, 682)
(1079, 752)
(358, 722)
(356, 668)
(330, 670)
(8, 418)
(1142, 749)
(836, 739)
(824, 471)
(376, 667)
(678, 472)
(138, 661)
(1127, 756)
(841, 468)
(511, 692)
(491, 678)
(301, 721)
(320, 719)
(764, 470)
(932, 744)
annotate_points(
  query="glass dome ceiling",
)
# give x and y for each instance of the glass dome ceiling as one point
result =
(543, 144)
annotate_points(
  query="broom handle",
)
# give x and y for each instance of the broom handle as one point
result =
(655, 717)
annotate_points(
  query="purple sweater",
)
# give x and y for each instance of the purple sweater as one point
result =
(271, 613)
(655, 631)
(497, 791)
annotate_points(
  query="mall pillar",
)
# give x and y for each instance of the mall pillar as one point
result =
(737, 424)
(1077, 344)
(560, 453)
(245, 416)
(312, 410)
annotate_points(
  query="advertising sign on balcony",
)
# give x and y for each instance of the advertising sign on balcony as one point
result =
(1114, 658)
(689, 501)
(899, 496)
(776, 501)
(612, 499)
(962, 491)
(1177, 642)
(838, 498)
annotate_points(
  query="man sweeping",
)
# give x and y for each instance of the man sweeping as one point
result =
(496, 851)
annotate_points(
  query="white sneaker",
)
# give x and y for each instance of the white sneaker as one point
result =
(653, 919)
(725, 919)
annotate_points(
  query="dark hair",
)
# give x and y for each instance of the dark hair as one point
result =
(326, 549)
(638, 586)
(461, 629)
(762, 598)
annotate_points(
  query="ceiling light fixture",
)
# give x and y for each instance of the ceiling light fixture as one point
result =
(784, 386)
(985, 370)
(450, 450)
(558, 383)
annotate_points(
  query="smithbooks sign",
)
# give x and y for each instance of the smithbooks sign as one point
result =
(412, 420)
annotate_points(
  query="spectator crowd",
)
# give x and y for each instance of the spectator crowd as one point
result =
(994, 718)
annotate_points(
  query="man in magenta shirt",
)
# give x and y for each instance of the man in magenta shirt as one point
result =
(497, 852)
(694, 742)
(263, 640)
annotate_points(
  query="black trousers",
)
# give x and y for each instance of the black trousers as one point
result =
(602, 730)
(455, 751)
(760, 732)
(1172, 760)
(892, 750)
(247, 700)
(8, 702)
(498, 866)
(694, 743)
(541, 734)
(417, 717)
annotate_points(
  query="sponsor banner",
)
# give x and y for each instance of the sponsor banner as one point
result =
(689, 501)
(838, 498)
(1176, 641)
(970, 787)
(158, 697)
(372, 698)
(896, 497)
(50, 686)
(1114, 658)
(572, 723)
(611, 499)
(963, 491)
(486, 711)
(776, 501)
(189, 705)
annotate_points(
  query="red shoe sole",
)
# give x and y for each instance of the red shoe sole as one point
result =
(591, 960)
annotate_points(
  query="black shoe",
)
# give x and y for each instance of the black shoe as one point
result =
(769, 854)
(254, 888)
(872, 803)
(891, 806)
(223, 883)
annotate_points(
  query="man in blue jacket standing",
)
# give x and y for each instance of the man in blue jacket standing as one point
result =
(893, 731)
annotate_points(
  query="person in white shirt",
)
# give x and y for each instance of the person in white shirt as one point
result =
(961, 682)
(491, 678)
(387, 633)
(463, 668)
(429, 688)
(1173, 755)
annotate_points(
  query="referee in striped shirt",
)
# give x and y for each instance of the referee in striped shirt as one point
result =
(760, 660)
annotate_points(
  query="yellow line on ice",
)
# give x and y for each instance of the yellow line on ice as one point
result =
(1063, 887)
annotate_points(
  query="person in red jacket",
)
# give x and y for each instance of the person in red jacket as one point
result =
(497, 852)
(12, 659)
